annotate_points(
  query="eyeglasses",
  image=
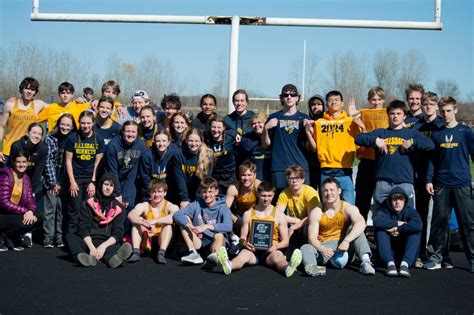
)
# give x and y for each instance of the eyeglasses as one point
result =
(293, 179)
(289, 94)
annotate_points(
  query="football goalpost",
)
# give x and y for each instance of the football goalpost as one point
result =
(236, 22)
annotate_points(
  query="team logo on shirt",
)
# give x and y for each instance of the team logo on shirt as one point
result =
(449, 143)
(219, 150)
(289, 125)
(393, 143)
(85, 151)
(188, 169)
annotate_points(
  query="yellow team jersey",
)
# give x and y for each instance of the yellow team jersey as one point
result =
(372, 119)
(246, 201)
(270, 218)
(299, 206)
(17, 190)
(53, 111)
(17, 124)
(150, 216)
(331, 229)
(335, 141)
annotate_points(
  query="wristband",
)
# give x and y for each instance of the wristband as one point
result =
(92, 182)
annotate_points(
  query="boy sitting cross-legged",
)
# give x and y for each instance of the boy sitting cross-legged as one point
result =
(272, 257)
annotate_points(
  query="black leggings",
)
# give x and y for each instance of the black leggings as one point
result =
(11, 224)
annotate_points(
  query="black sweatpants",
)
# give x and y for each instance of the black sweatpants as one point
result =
(444, 200)
(77, 245)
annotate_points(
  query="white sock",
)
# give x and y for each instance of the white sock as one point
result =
(365, 257)
(404, 263)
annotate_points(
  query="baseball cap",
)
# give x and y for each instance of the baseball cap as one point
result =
(140, 94)
(289, 88)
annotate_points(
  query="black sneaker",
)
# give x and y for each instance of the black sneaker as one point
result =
(26, 240)
(135, 256)
(122, 255)
(404, 272)
(391, 271)
(447, 263)
(11, 244)
(3, 247)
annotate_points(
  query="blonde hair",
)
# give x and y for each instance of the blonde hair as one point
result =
(376, 90)
(259, 116)
(206, 157)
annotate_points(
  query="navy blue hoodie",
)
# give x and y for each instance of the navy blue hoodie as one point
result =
(386, 217)
(122, 159)
(395, 158)
(152, 166)
(236, 124)
(183, 170)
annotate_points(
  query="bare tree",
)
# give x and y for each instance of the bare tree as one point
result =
(412, 70)
(386, 67)
(447, 87)
(348, 74)
(313, 76)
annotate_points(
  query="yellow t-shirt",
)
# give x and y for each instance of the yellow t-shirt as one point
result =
(17, 124)
(17, 190)
(335, 141)
(115, 116)
(372, 119)
(53, 111)
(299, 206)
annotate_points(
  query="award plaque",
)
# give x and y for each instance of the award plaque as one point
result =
(261, 234)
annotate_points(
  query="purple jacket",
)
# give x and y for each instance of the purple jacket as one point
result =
(27, 201)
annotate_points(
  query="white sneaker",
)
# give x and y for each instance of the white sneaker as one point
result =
(192, 258)
(366, 268)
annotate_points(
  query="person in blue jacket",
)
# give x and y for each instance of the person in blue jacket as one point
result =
(204, 223)
(222, 145)
(122, 157)
(250, 148)
(449, 182)
(155, 161)
(395, 146)
(189, 165)
(397, 233)
(237, 122)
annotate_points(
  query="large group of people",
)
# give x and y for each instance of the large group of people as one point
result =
(116, 183)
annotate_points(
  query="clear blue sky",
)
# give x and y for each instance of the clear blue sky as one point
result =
(266, 53)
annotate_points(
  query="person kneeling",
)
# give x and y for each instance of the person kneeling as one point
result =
(152, 219)
(100, 228)
(397, 233)
(272, 257)
(205, 222)
(332, 231)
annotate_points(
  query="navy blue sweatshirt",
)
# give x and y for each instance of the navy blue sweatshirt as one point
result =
(411, 120)
(449, 165)
(251, 148)
(152, 166)
(122, 159)
(224, 156)
(386, 217)
(109, 133)
(422, 157)
(183, 169)
(236, 124)
(395, 166)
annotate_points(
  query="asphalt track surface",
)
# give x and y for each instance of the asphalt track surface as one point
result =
(46, 281)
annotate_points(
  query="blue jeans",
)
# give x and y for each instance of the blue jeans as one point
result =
(347, 187)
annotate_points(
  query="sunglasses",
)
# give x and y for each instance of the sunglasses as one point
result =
(289, 94)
